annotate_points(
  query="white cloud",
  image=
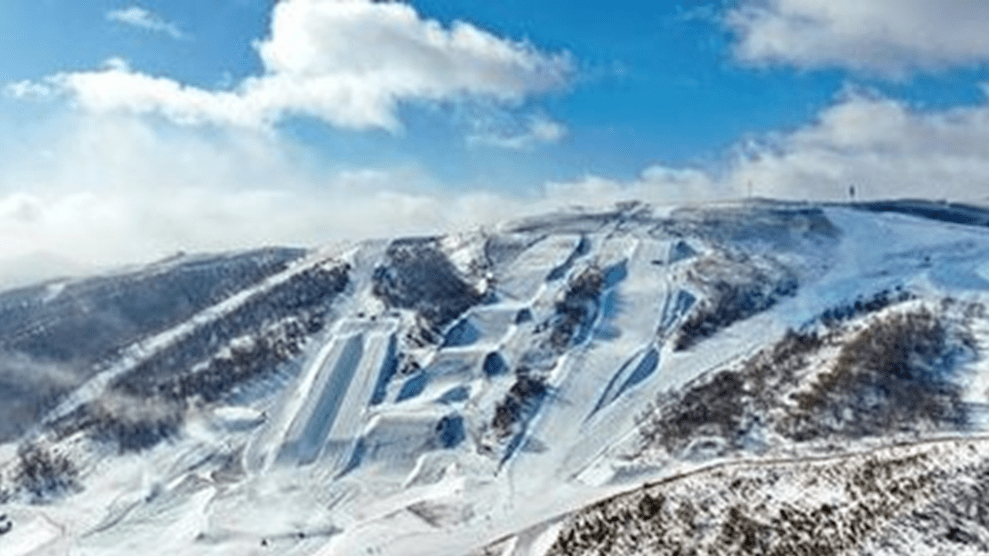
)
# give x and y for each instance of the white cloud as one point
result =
(659, 185)
(535, 131)
(99, 191)
(349, 63)
(137, 16)
(882, 146)
(29, 90)
(103, 190)
(889, 37)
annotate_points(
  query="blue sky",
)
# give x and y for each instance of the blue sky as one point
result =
(181, 125)
(653, 82)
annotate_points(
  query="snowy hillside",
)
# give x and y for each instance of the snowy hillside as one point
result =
(741, 378)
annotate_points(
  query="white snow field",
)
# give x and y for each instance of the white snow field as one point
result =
(469, 394)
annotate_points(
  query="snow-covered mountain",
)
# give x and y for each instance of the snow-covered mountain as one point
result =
(743, 378)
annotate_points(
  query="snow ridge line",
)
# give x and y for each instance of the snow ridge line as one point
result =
(146, 348)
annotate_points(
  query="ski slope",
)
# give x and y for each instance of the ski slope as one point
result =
(470, 392)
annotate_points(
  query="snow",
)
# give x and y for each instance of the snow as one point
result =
(327, 468)
(33, 531)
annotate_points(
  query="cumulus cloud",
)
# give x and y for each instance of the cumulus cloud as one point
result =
(888, 37)
(883, 147)
(350, 63)
(141, 18)
(535, 131)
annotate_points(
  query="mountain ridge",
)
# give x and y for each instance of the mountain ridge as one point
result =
(421, 395)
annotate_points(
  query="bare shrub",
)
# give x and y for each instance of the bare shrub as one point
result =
(895, 374)
(44, 474)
